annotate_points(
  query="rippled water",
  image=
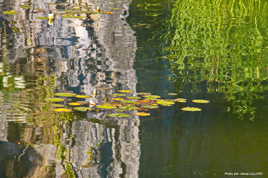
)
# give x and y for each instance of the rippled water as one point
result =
(197, 50)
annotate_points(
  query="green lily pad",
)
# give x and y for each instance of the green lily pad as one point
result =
(42, 18)
(152, 97)
(82, 96)
(65, 94)
(134, 98)
(118, 94)
(24, 6)
(57, 105)
(191, 109)
(201, 101)
(62, 110)
(165, 102)
(10, 12)
(82, 109)
(106, 106)
(150, 106)
(119, 115)
(55, 99)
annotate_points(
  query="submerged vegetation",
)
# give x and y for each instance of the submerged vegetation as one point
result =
(222, 45)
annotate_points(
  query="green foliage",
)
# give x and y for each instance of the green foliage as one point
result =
(222, 43)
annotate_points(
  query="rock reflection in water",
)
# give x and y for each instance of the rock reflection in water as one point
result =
(94, 56)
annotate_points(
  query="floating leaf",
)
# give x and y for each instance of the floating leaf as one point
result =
(129, 101)
(128, 108)
(172, 94)
(75, 104)
(118, 99)
(106, 106)
(73, 16)
(192, 109)
(152, 97)
(82, 96)
(180, 100)
(165, 102)
(65, 94)
(125, 91)
(118, 94)
(62, 110)
(55, 99)
(119, 115)
(82, 109)
(200, 101)
(143, 114)
(11, 12)
(143, 93)
(134, 98)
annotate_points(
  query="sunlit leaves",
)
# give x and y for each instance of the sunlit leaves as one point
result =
(143, 114)
(165, 102)
(125, 91)
(181, 100)
(65, 94)
(75, 104)
(202, 101)
(10, 12)
(191, 109)
(119, 115)
(62, 110)
(82, 109)
(82, 96)
(55, 99)
(106, 106)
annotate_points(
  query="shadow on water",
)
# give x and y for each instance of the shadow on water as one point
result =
(216, 51)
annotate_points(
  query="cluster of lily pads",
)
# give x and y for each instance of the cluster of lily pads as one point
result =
(123, 103)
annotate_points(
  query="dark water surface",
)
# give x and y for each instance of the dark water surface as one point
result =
(197, 50)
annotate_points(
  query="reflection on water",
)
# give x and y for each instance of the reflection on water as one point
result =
(221, 47)
(93, 55)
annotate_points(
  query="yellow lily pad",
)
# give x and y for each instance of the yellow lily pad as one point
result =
(118, 99)
(10, 12)
(134, 98)
(106, 106)
(143, 114)
(82, 109)
(165, 102)
(202, 101)
(144, 93)
(192, 109)
(172, 94)
(75, 104)
(55, 99)
(65, 94)
(181, 100)
(125, 91)
(62, 110)
(42, 18)
(118, 94)
(119, 115)
(152, 97)
(82, 96)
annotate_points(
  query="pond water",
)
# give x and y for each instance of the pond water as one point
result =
(80, 88)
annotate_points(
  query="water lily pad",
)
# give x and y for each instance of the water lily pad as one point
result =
(65, 94)
(202, 101)
(143, 93)
(82, 96)
(165, 102)
(70, 16)
(75, 104)
(192, 109)
(62, 110)
(172, 94)
(42, 18)
(106, 106)
(10, 12)
(125, 91)
(181, 100)
(119, 115)
(128, 108)
(118, 94)
(118, 99)
(82, 109)
(134, 98)
(143, 114)
(55, 99)
(152, 97)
